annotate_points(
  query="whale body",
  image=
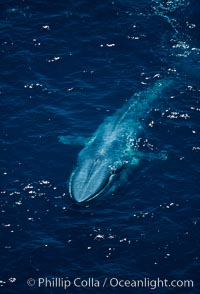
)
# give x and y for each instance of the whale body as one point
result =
(112, 146)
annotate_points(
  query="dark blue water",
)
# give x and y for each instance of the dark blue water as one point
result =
(66, 66)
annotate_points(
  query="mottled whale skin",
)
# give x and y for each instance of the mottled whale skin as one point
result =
(112, 147)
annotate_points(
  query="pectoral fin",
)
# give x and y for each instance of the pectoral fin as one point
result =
(72, 140)
(162, 155)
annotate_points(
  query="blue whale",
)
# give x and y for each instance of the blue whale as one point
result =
(112, 147)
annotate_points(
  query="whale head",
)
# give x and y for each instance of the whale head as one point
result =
(91, 178)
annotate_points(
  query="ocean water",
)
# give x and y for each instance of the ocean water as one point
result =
(65, 67)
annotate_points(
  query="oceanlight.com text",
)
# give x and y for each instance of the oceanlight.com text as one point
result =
(113, 282)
